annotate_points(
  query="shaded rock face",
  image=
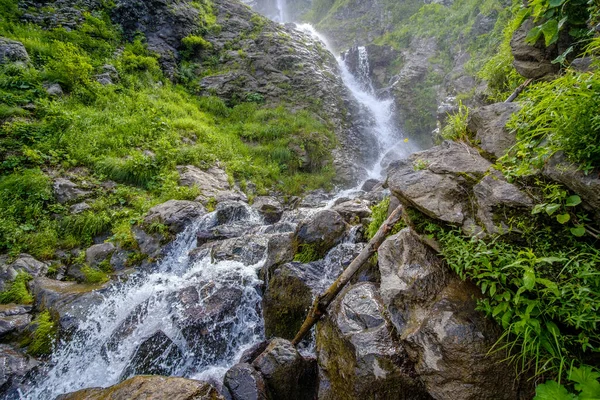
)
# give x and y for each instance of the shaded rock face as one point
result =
(377, 64)
(323, 229)
(488, 124)
(15, 369)
(287, 374)
(434, 313)
(13, 318)
(358, 354)
(269, 207)
(249, 249)
(245, 383)
(97, 253)
(150, 388)
(156, 355)
(12, 51)
(175, 214)
(533, 61)
(443, 181)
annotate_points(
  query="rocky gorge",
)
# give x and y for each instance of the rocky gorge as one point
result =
(203, 295)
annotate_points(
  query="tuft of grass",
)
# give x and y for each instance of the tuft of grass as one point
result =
(41, 341)
(93, 275)
(308, 253)
(17, 291)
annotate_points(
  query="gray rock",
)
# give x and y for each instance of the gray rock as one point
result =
(354, 210)
(156, 355)
(582, 64)
(175, 214)
(532, 61)
(79, 208)
(212, 183)
(280, 249)
(370, 184)
(232, 211)
(149, 388)
(13, 318)
(53, 89)
(16, 367)
(269, 207)
(245, 383)
(119, 259)
(24, 263)
(434, 314)
(358, 354)
(248, 249)
(149, 244)
(69, 301)
(559, 169)
(12, 51)
(321, 230)
(66, 191)
(288, 375)
(97, 253)
(488, 124)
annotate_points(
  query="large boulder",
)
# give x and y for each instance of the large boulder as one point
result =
(213, 184)
(156, 355)
(353, 211)
(488, 124)
(358, 354)
(287, 374)
(533, 61)
(245, 383)
(16, 368)
(67, 191)
(435, 314)
(175, 214)
(98, 253)
(248, 249)
(149, 388)
(321, 231)
(12, 51)
(269, 207)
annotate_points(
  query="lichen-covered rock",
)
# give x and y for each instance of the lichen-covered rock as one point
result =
(175, 214)
(67, 191)
(149, 388)
(245, 383)
(12, 51)
(533, 61)
(358, 355)
(321, 230)
(488, 124)
(156, 355)
(434, 314)
(269, 207)
(213, 183)
(24, 263)
(288, 375)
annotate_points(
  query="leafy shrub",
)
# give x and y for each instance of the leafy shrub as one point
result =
(585, 380)
(16, 291)
(378, 217)
(69, 66)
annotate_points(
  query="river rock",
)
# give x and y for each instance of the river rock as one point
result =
(69, 302)
(232, 211)
(321, 230)
(488, 124)
(150, 244)
(156, 355)
(24, 263)
(434, 314)
(533, 61)
(175, 214)
(288, 375)
(269, 207)
(559, 169)
(98, 253)
(13, 318)
(245, 383)
(248, 249)
(280, 249)
(12, 51)
(79, 208)
(358, 354)
(67, 191)
(16, 367)
(149, 388)
(354, 210)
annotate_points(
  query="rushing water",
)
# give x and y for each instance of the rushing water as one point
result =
(101, 348)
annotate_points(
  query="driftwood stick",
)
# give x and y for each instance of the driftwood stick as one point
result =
(321, 303)
(518, 91)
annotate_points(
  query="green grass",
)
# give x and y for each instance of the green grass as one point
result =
(41, 340)
(16, 291)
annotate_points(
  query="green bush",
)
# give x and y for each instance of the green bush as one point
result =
(16, 291)
(69, 66)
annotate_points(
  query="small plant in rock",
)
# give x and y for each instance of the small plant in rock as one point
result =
(93, 275)
(17, 292)
(41, 340)
(419, 164)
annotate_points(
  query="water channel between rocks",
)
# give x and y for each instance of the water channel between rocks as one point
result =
(191, 315)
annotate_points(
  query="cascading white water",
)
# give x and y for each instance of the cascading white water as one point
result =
(282, 11)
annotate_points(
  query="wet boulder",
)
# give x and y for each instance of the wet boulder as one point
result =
(232, 211)
(13, 318)
(354, 211)
(435, 314)
(150, 244)
(321, 231)
(245, 383)
(66, 191)
(12, 51)
(533, 61)
(16, 368)
(24, 263)
(156, 355)
(248, 249)
(175, 214)
(488, 124)
(287, 374)
(149, 388)
(269, 207)
(358, 354)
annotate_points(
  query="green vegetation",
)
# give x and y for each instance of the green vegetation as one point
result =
(133, 133)
(585, 382)
(16, 291)
(41, 340)
(308, 253)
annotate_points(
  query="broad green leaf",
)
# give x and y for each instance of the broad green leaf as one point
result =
(538, 208)
(556, 3)
(550, 31)
(529, 278)
(573, 201)
(533, 35)
(552, 208)
(578, 231)
(563, 218)
(549, 284)
(586, 382)
(552, 390)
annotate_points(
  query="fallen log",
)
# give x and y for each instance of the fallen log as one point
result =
(518, 91)
(321, 303)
